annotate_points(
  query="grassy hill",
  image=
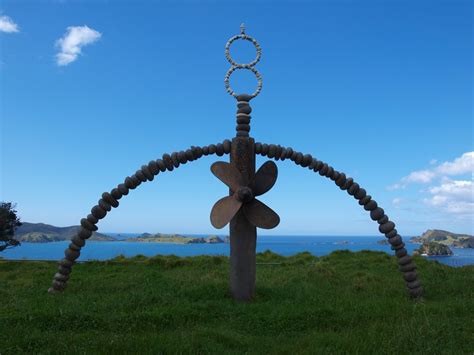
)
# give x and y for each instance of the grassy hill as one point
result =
(341, 303)
(44, 233)
(446, 238)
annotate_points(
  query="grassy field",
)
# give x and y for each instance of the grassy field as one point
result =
(341, 303)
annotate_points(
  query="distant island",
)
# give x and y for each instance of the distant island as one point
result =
(46, 233)
(433, 249)
(444, 237)
(175, 238)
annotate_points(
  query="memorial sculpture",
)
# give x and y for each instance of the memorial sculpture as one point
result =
(241, 209)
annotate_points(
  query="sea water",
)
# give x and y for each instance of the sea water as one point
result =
(283, 245)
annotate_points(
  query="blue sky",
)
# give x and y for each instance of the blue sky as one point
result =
(381, 90)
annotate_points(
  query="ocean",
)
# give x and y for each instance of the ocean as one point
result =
(284, 245)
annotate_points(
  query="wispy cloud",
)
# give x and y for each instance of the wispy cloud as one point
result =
(453, 196)
(447, 195)
(459, 166)
(7, 25)
(70, 45)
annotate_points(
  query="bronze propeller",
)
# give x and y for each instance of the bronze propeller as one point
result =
(256, 212)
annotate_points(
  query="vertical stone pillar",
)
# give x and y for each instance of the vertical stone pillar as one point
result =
(243, 235)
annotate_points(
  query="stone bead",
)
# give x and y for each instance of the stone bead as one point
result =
(182, 157)
(416, 292)
(58, 285)
(77, 240)
(414, 284)
(289, 153)
(136, 181)
(264, 149)
(98, 212)
(245, 109)
(383, 219)
(104, 205)
(84, 233)
(148, 175)
(272, 150)
(129, 182)
(307, 159)
(60, 277)
(205, 150)
(318, 166)
(88, 225)
(212, 148)
(313, 163)
(227, 146)
(71, 254)
(91, 218)
(330, 172)
(299, 158)
(123, 189)
(397, 247)
(161, 165)
(401, 252)
(258, 148)
(189, 155)
(140, 176)
(391, 234)
(377, 213)
(407, 267)
(66, 263)
(347, 184)
(336, 175)
(153, 167)
(365, 200)
(109, 199)
(353, 189)
(395, 240)
(324, 169)
(64, 270)
(361, 193)
(219, 149)
(293, 156)
(386, 227)
(197, 152)
(278, 152)
(410, 276)
(283, 154)
(341, 180)
(168, 162)
(73, 246)
(370, 206)
(116, 193)
(174, 159)
(404, 260)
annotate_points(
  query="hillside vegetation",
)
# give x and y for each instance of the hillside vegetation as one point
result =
(45, 233)
(341, 303)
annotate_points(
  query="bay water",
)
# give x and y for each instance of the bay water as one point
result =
(283, 245)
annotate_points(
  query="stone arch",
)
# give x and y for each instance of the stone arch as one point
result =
(110, 200)
(168, 162)
(377, 214)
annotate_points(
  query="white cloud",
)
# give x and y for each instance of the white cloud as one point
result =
(453, 196)
(462, 165)
(433, 161)
(7, 25)
(71, 43)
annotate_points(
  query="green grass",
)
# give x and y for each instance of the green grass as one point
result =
(341, 303)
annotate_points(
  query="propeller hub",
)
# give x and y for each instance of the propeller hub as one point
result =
(245, 194)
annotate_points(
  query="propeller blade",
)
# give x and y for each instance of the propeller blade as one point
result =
(260, 215)
(228, 174)
(224, 210)
(265, 178)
